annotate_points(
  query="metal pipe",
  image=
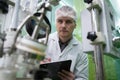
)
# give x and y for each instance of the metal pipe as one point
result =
(29, 17)
(36, 30)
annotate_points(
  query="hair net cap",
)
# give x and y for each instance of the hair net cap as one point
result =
(66, 11)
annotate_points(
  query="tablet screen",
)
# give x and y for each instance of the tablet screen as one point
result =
(55, 67)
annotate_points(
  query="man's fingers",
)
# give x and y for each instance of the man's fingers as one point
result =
(46, 60)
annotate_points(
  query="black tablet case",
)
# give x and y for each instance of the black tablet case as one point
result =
(55, 67)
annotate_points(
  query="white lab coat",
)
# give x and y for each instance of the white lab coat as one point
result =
(73, 52)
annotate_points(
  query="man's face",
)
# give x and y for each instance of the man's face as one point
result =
(65, 26)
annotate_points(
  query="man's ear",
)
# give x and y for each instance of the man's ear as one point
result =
(75, 25)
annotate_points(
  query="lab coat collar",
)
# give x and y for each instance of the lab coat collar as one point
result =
(72, 41)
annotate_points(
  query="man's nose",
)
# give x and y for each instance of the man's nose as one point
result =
(63, 24)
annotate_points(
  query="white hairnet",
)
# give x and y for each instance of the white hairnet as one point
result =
(65, 11)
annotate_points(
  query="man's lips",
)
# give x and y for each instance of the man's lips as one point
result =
(63, 31)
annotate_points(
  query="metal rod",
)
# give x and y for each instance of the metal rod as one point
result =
(14, 23)
(36, 30)
(98, 52)
(99, 66)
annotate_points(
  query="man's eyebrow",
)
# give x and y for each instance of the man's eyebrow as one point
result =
(66, 19)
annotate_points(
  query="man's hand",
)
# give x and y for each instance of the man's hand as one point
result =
(66, 75)
(46, 60)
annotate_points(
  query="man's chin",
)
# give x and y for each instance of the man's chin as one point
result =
(64, 35)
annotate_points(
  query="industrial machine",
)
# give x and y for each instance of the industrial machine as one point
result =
(98, 24)
(18, 53)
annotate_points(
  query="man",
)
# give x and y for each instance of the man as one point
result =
(62, 45)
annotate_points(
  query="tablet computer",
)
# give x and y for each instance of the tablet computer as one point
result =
(54, 67)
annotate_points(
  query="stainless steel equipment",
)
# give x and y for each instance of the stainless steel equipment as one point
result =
(16, 50)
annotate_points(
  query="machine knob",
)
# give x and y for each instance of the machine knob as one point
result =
(88, 1)
(92, 36)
